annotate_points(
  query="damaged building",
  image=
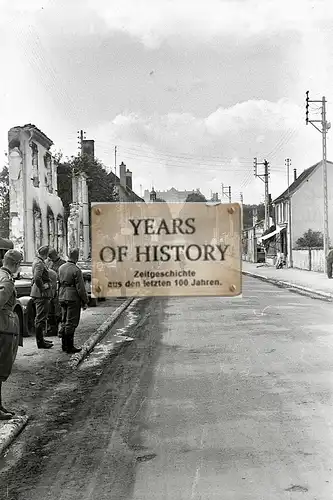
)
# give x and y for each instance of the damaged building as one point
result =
(36, 211)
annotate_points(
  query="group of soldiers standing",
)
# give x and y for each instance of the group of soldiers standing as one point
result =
(57, 283)
(58, 292)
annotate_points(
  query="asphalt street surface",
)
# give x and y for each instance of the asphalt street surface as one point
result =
(213, 399)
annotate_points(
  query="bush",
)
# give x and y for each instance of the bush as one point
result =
(310, 239)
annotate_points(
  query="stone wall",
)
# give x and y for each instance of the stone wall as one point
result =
(78, 221)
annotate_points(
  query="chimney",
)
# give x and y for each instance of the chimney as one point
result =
(122, 174)
(88, 148)
(255, 216)
(295, 174)
(129, 179)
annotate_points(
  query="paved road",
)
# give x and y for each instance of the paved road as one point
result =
(214, 399)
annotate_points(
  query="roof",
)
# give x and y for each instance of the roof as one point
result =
(37, 134)
(297, 183)
(115, 180)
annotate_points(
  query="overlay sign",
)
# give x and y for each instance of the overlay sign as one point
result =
(166, 249)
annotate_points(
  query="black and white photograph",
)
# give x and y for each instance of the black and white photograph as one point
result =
(166, 250)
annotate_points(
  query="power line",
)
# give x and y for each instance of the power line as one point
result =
(322, 128)
(264, 177)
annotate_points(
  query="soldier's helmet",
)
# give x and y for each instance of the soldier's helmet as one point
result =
(13, 257)
(43, 250)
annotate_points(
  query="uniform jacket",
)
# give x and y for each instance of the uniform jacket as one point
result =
(71, 283)
(41, 283)
(53, 282)
(55, 265)
(9, 323)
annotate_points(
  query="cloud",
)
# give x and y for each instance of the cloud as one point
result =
(185, 132)
(153, 22)
(187, 151)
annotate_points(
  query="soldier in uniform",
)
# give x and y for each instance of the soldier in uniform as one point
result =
(53, 318)
(53, 263)
(54, 260)
(10, 335)
(72, 296)
(41, 292)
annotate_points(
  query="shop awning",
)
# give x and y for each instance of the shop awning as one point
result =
(270, 235)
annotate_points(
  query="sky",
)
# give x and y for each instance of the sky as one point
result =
(190, 91)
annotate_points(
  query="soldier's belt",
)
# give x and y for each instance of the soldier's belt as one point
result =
(15, 334)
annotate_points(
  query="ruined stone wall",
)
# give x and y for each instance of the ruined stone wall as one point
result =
(78, 221)
(36, 211)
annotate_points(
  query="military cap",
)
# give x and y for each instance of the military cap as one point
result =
(74, 253)
(14, 256)
(53, 254)
(43, 249)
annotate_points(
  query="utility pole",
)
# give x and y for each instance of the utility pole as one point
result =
(115, 161)
(241, 203)
(226, 191)
(264, 177)
(290, 247)
(81, 137)
(325, 126)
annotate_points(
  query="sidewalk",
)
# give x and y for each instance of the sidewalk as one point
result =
(309, 282)
(36, 371)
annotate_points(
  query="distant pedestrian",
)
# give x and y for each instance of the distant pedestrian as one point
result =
(53, 263)
(72, 296)
(41, 292)
(10, 335)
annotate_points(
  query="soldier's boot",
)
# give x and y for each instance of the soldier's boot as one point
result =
(64, 343)
(52, 330)
(61, 330)
(3, 411)
(70, 346)
(41, 342)
(5, 416)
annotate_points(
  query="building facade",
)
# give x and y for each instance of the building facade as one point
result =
(171, 195)
(36, 211)
(301, 207)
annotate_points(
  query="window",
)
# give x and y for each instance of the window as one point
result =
(51, 229)
(37, 226)
(35, 168)
(48, 170)
(60, 235)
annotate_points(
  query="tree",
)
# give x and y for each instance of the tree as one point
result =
(101, 185)
(196, 196)
(310, 239)
(4, 203)
(248, 214)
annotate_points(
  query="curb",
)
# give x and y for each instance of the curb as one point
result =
(88, 346)
(10, 430)
(302, 290)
